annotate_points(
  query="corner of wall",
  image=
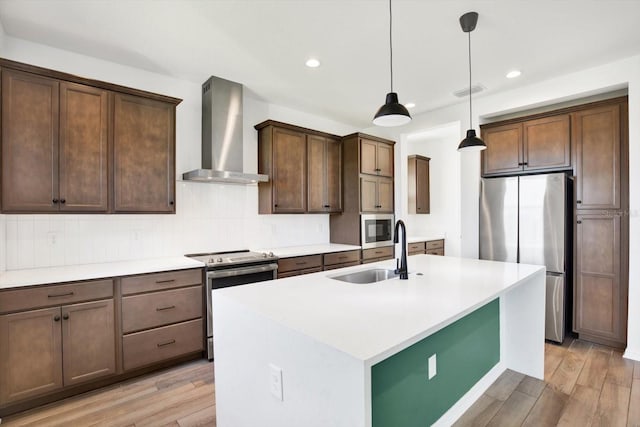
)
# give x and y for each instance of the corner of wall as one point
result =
(3, 243)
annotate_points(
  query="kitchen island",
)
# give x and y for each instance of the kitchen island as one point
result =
(315, 351)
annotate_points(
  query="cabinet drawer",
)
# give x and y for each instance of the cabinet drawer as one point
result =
(299, 263)
(161, 281)
(346, 264)
(299, 272)
(53, 295)
(161, 308)
(384, 252)
(341, 257)
(434, 244)
(438, 251)
(156, 345)
(416, 247)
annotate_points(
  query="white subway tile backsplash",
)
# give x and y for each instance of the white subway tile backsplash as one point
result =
(209, 217)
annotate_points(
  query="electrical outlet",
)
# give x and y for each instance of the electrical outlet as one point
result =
(432, 366)
(275, 381)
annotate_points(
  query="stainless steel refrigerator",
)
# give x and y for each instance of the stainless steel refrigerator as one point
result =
(526, 219)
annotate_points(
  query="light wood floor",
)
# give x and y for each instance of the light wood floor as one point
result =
(585, 385)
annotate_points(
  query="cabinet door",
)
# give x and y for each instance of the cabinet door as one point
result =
(83, 148)
(30, 354)
(504, 149)
(88, 334)
(422, 186)
(334, 175)
(368, 154)
(385, 195)
(599, 309)
(29, 142)
(368, 194)
(144, 155)
(316, 166)
(547, 143)
(289, 171)
(385, 159)
(596, 135)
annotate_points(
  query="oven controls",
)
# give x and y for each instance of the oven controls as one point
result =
(271, 255)
(219, 260)
(210, 261)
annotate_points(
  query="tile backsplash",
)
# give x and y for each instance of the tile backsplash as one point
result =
(209, 217)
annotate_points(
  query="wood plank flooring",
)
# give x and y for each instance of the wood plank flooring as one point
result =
(585, 385)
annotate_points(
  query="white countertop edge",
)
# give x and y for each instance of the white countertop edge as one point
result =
(425, 238)
(72, 273)
(372, 360)
(294, 251)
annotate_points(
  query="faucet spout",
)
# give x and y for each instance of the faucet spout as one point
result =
(402, 269)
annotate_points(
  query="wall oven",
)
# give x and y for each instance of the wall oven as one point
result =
(224, 269)
(376, 230)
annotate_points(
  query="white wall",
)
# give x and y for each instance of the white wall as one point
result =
(606, 78)
(209, 217)
(439, 145)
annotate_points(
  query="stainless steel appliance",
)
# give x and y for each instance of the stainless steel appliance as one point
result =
(225, 269)
(376, 230)
(526, 219)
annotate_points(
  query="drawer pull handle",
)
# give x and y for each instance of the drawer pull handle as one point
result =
(301, 263)
(162, 344)
(343, 257)
(165, 308)
(165, 281)
(68, 294)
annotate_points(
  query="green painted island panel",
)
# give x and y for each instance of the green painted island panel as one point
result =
(402, 394)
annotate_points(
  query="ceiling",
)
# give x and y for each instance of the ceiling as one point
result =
(263, 44)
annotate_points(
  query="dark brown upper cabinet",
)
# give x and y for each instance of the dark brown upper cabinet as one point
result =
(418, 184)
(376, 157)
(54, 145)
(598, 156)
(532, 145)
(71, 144)
(144, 155)
(324, 166)
(304, 168)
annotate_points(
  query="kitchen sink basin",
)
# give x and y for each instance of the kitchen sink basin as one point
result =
(366, 276)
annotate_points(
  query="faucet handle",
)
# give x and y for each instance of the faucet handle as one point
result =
(397, 266)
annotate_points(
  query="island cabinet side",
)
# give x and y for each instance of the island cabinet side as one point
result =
(402, 393)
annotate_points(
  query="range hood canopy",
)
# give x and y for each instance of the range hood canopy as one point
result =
(222, 144)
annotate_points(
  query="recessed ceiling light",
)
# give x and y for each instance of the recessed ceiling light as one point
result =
(513, 74)
(410, 105)
(312, 63)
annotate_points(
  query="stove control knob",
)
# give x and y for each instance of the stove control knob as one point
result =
(210, 261)
(271, 255)
(219, 260)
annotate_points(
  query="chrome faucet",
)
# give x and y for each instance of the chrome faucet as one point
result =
(401, 264)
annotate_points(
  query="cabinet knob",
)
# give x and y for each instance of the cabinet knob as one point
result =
(327, 206)
(65, 316)
(55, 201)
(171, 202)
(579, 222)
(63, 201)
(578, 201)
(275, 206)
(56, 318)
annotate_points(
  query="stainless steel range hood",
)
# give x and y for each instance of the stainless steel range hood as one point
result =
(222, 135)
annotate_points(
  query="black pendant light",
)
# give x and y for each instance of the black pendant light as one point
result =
(392, 113)
(468, 23)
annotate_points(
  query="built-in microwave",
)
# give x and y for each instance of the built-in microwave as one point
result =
(376, 230)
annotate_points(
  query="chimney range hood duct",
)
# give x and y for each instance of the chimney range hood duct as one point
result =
(222, 135)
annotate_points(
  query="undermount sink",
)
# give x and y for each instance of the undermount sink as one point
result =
(366, 276)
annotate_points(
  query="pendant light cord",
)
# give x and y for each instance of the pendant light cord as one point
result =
(390, 46)
(470, 114)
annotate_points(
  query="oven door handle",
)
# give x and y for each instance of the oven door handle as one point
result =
(216, 274)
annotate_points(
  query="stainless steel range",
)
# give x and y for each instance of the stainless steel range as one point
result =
(231, 269)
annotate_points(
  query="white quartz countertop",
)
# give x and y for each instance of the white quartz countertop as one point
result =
(373, 321)
(293, 251)
(425, 237)
(41, 276)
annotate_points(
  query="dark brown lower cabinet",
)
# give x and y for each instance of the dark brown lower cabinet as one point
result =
(44, 350)
(600, 295)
